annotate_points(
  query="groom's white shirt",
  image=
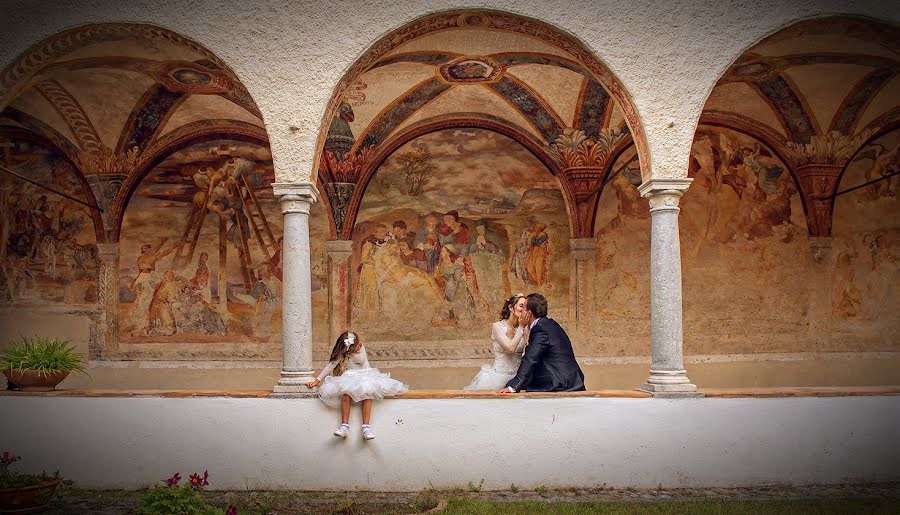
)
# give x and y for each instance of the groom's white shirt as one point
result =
(530, 327)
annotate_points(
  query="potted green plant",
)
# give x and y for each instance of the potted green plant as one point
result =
(39, 364)
(24, 493)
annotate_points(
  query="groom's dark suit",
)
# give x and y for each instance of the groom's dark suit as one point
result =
(549, 363)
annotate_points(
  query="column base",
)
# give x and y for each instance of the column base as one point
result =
(669, 383)
(293, 385)
(293, 392)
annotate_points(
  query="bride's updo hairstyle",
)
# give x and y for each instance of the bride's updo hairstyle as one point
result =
(342, 347)
(509, 305)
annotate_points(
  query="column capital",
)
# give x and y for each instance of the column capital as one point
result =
(583, 249)
(339, 249)
(108, 251)
(295, 197)
(820, 246)
(663, 193)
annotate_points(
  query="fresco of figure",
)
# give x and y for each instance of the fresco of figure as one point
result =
(200, 281)
(537, 261)
(161, 314)
(266, 299)
(884, 162)
(428, 241)
(147, 276)
(367, 300)
(414, 257)
(450, 273)
(403, 287)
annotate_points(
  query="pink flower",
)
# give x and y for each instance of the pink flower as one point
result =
(232, 510)
(198, 481)
(173, 481)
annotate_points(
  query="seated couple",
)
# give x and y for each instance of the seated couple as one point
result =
(546, 364)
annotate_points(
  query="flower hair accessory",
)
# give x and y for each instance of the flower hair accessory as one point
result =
(349, 340)
(520, 295)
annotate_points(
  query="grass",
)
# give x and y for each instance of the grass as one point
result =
(699, 507)
(73, 500)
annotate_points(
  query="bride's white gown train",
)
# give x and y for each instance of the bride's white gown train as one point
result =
(495, 375)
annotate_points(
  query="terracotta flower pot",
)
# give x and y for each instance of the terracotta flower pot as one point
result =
(27, 499)
(34, 381)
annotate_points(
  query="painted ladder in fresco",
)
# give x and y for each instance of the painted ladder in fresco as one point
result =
(184, 252)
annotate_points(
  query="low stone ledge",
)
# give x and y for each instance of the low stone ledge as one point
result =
(802, 391)
(835, 391)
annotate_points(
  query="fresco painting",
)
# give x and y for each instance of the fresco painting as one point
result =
(745, 252)
(745, 249)
(621, 283)
(866, 233)
(48, 253)
(451, 224)
(200, 249)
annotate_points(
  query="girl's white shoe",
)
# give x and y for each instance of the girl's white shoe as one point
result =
(367, 432)
(342, 430)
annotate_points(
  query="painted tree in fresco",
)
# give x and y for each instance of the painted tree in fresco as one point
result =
(419, 169)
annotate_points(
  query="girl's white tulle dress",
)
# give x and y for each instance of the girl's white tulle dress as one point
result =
(359, 381)
(494, 376)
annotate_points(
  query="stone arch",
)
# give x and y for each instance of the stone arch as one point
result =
(121, 99)
(789, 105)
(15, 77)
(595, 99)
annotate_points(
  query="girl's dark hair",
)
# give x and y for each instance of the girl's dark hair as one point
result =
(508, 306)
(340, 351)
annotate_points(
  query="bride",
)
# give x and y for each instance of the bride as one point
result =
(508, 341)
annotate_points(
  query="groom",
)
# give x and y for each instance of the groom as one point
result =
(549, 363)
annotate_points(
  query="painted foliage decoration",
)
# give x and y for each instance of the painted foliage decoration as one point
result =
(48, 252)
(452, 224)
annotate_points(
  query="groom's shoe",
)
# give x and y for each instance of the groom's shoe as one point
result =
(342, 431)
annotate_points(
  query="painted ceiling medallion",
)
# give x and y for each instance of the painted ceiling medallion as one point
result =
(191, 77)
(473, 20)
(471, 70)
(758, 69)
(188, 77)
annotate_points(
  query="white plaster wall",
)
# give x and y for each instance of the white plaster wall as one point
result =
(445, 443)
(290, 55)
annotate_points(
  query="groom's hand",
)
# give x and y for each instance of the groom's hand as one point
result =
(505, 390)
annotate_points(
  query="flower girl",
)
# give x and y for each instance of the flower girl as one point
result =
(353, 378)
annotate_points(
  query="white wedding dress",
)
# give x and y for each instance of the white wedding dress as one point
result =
(495, 375)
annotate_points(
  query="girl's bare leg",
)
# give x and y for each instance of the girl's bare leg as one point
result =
(366, 411)
(345, 409)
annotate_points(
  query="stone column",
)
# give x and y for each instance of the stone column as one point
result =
(667, 374)
(296, 320)
(581, 288)
(106, 333)
(339, 252)
(820, 292)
